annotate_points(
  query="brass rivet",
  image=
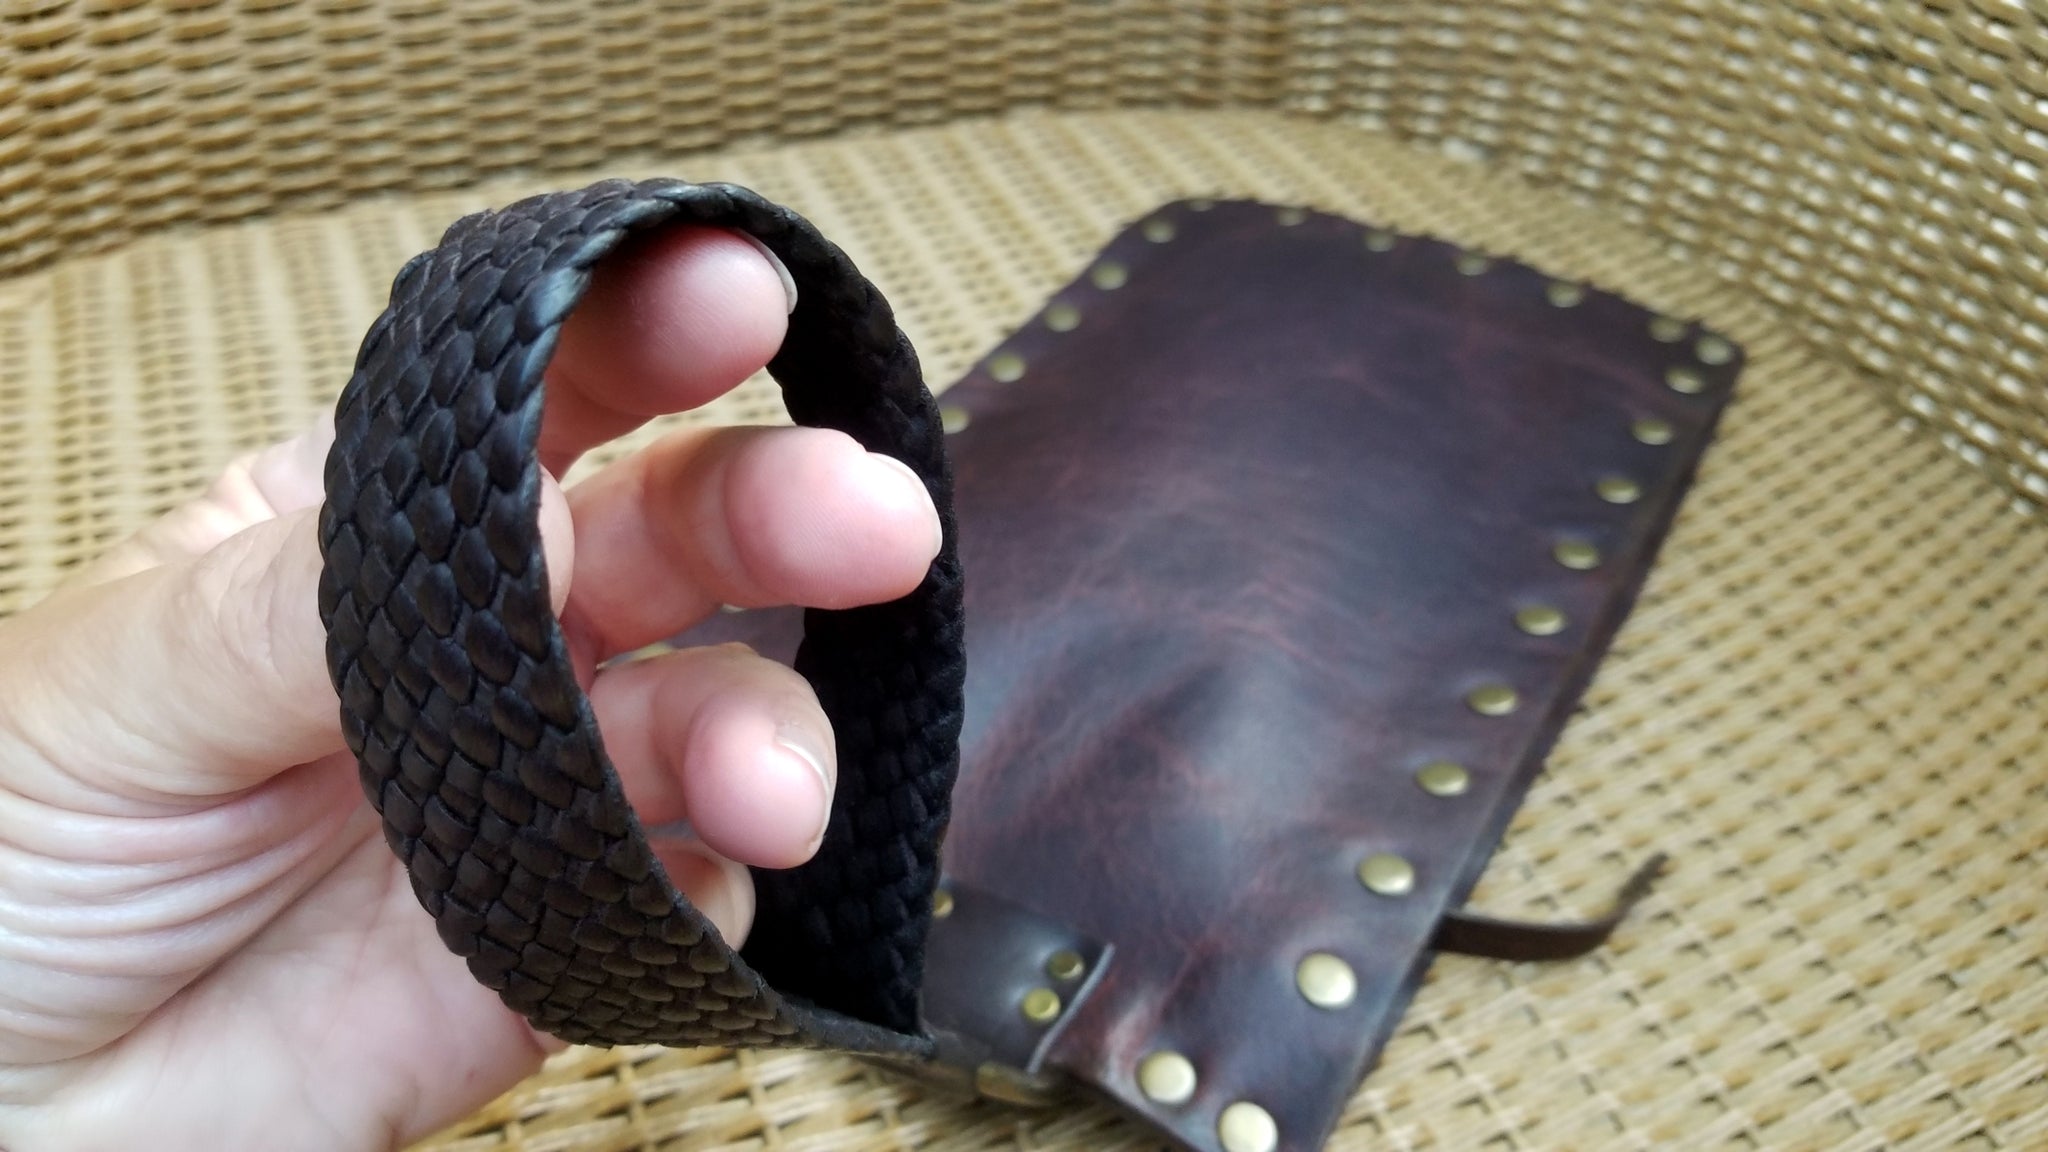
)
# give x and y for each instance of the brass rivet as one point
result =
(1200, 205)
(1387, 874)
(1540, 620)
(1650, 430)
(1246, 1127)
(1041, 1006)
(1109, 276)
(1062, 317)
(1167, 1078)
(1006, 368)
(1472, 263)
(1289, 217)
(1065, 964)
(1714, 350)
(1443, 778)
(1159, 231)
(1381, 240)
(953, 418)
(1618, 490)
(1577, 555)
(1564, 294)
(1667, 329)
(1326, 981)
(1685, 380)
(942, 904)
(1492, 699)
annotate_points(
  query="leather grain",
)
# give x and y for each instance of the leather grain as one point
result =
(475, 741)
(1255, 518)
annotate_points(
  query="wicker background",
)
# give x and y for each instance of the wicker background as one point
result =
(1868, 166)
(1831, 705)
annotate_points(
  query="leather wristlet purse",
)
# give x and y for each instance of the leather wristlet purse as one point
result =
(1278, 551)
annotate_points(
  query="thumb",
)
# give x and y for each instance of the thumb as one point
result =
(198, 678)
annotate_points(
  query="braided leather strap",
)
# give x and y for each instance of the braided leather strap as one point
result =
(475, 742)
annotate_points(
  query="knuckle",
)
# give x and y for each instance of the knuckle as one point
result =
(231, 595)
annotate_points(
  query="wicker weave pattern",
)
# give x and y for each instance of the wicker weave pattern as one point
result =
(173, 111)
(1868, 166)
(1828, 707)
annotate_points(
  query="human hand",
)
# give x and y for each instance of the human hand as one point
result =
(204, 941)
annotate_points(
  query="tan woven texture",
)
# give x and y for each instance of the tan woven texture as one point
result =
(1868, 166)
(1831, 705)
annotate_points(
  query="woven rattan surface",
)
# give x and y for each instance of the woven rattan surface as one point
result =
(1831, 705)
(1868, 166)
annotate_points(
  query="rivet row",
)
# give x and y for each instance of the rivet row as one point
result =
(1168, 1078)
(1711, 349)
(1063, 316)
(1325, 980)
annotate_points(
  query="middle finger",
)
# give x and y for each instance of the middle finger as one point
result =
(742, 516)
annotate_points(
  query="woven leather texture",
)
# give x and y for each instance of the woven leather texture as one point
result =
(459, 699)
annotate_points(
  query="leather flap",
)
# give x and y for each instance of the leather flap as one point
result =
(1291, 545)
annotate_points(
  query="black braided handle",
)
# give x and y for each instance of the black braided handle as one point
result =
(476, 744)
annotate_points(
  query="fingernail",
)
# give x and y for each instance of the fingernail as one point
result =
(924, 496)
(781, 271)
(798, 740)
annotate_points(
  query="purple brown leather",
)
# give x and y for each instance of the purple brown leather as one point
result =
(985, 956)
(1241, 542)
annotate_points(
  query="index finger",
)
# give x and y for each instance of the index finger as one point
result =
(670, 322)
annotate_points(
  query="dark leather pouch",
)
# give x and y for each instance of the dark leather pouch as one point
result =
(1290, 545)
